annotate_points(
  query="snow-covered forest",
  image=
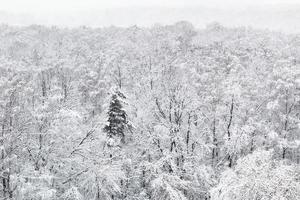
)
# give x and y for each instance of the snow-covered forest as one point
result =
(162, 113)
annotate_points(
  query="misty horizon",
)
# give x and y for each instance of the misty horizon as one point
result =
(272, 17)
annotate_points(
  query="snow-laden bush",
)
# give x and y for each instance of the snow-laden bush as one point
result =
(34, 185)
(259, 176)
(103, 182)
(168, 187)
(72, 194)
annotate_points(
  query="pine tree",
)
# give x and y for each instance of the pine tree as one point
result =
(117, 118)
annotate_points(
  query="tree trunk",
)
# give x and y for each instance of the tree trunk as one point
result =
(228, 130)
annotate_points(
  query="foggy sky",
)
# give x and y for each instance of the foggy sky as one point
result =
(281, 15)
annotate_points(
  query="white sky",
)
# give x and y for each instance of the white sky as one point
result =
(37, 6)
(272, 14)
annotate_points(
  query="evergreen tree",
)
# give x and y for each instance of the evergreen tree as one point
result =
(117, 118)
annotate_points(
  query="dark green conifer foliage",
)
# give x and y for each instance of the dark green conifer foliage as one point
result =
(117, 117)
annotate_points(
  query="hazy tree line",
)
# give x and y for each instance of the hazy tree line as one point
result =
(167, 112)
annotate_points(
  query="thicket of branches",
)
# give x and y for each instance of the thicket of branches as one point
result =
(168, 112)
